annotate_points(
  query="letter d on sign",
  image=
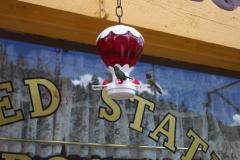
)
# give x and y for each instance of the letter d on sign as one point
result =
(38, 109)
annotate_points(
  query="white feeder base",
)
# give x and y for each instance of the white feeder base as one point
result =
(121, 91)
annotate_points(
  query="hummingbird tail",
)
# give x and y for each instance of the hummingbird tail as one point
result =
(159, 91)
(158, 88)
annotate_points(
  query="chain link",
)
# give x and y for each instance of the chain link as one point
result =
(119, 11)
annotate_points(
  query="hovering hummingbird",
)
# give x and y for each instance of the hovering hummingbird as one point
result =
(120, 74)
(152, 83)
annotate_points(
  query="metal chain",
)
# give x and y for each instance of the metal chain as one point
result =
(119, 11)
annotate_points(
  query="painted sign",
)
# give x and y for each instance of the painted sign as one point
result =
(47, 101)
(228, 5)
(166, 127)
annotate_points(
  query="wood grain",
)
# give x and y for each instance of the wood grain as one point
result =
(202, 40)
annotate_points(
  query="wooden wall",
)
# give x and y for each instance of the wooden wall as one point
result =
(186, 31)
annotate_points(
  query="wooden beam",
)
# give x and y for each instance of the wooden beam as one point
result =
(203, 20)
(40, 20)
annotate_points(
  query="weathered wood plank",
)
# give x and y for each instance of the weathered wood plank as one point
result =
(216, 45)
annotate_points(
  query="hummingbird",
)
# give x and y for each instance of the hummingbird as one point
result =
(120, 74)
(152, 83)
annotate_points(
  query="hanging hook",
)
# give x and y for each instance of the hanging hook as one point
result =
(119, 11)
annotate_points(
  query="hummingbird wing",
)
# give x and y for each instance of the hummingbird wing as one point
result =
(158, 88)
(121, 75)
(154, 85)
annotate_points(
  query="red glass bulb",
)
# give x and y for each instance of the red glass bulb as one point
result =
(120, 45)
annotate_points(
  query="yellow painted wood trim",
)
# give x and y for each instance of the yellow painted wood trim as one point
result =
(34, 19)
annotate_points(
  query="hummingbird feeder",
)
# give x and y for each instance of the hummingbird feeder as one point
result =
(120, 47)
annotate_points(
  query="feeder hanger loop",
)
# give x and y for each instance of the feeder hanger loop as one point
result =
(119, 11)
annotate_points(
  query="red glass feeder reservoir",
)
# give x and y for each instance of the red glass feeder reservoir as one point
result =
(120, 46)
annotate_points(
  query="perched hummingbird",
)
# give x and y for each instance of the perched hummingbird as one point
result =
(152, 83)
(120, 74)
